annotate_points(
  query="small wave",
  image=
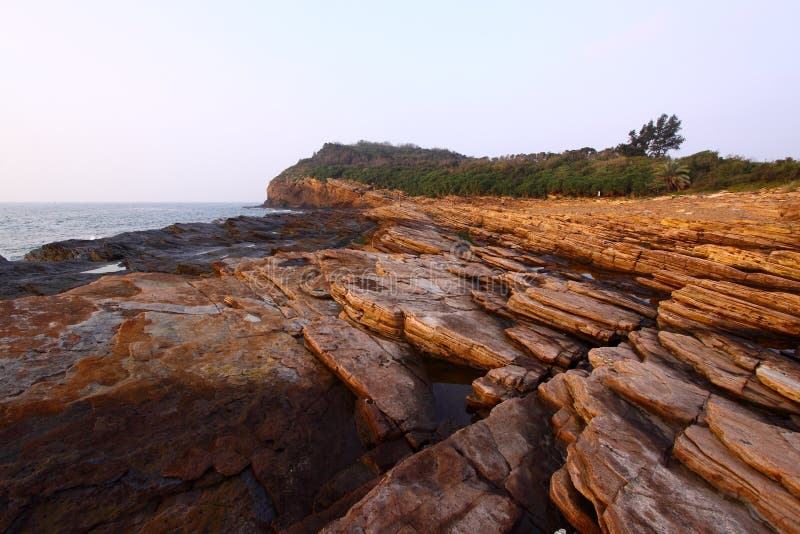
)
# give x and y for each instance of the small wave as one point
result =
(111, 268)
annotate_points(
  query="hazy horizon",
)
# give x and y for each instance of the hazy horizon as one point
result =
(196, 102)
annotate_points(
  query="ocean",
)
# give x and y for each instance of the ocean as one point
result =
(25, 226)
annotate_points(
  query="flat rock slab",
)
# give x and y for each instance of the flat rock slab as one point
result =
(602, 356)
(502, 383)
(652, 390)
(775, 452)
(704, 454)
(558, 319)
(613, 297)
(421, 300)
(388, 373)
(416, 240)
(781, 375)
(613, 317)
(119, 394)
(548, 345)
(468, 337)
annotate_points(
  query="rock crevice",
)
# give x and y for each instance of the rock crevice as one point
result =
(637, 370)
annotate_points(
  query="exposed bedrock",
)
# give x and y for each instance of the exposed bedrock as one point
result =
(184, 248)
(636, 364)
(312, 193)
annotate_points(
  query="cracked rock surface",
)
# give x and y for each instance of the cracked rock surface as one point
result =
(637, 366)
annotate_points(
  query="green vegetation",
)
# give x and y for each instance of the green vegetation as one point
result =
(583, 172)
(654, 139)
(673, 175)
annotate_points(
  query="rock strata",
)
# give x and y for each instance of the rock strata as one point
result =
(636, 364)
(381, 371)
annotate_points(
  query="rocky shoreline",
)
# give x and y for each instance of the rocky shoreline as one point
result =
(637, 364)
(184, 248)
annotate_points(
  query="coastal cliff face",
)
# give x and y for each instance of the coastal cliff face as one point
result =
(313, 193)
(636, 361)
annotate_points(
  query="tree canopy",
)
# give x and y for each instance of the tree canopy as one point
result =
(655, 138)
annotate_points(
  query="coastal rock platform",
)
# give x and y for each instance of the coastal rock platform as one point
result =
(636, 363)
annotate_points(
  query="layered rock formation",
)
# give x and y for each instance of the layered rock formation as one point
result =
(312, 193)
(638, 369)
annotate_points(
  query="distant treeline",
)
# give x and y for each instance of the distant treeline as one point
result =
(436, 172)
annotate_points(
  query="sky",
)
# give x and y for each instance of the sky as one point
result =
(207, 101)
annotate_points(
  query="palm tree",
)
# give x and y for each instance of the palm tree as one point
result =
(673, 175)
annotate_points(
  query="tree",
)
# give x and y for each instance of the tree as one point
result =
(673, 174)
(654, 139)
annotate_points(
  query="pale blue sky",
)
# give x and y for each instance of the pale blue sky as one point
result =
(191, 100)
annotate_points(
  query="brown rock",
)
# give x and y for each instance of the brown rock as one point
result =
(602, 356)
(486, 393)
(454, 495)
(723, 371)
(567, 424)
(703, 453)
(555, 392)
(389, 374)
(773, 450)
(791, 212)
(735, 314)
(502, 383)
(646, 344)
(312, 193)
(613, 317)
(560, 320)
(141, 384)
(781, 375)
(613, 297)
(468, 338)
(190, 466)
(117, 398)
(399, 238)
(590, 397)
(616, 463)
(547, 345)
(654, 391)
(469, 482)
(575, 507)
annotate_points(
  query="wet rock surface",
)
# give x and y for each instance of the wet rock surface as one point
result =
(185, 248)
(635, 369)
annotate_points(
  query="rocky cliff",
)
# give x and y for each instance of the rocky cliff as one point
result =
(331, 193)
(636, 369)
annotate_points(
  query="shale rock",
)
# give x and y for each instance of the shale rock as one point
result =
(483, 478)
(385, 372)
(164, 397)
(639, 362)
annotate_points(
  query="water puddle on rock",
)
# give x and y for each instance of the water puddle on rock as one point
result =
(451, 385)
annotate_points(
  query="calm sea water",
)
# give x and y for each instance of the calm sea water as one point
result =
(25, 226)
